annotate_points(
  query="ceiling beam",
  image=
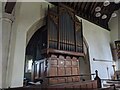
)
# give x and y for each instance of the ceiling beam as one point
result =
(86, 10)
(9, 7)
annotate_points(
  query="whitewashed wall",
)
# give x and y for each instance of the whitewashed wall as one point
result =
(30, 18)
(98, 40)
(27, 18)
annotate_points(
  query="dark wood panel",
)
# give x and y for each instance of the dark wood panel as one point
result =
(53, 81)
(53, 71)
(62, 52)
(61, 68)
(10, 6)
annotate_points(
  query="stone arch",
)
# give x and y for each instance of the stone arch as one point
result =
(34, 28)
(28, 17)
(29, 34)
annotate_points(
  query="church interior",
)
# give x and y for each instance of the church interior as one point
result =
(60, 45)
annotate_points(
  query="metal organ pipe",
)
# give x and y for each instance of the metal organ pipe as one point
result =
(65, 37)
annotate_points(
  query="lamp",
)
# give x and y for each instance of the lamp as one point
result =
(106, 3)
(98, 14)
(97, 9)
(114, 14)
(104, 16)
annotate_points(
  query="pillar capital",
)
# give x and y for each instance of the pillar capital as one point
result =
(7, 17)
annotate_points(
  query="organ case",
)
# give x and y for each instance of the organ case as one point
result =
(60, 45)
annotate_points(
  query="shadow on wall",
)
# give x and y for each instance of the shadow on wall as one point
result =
(85, 62)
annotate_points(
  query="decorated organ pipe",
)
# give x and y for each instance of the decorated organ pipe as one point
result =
(65, 30)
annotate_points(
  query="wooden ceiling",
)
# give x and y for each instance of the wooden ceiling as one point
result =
(87, 11)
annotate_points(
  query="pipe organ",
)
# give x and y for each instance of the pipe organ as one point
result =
(58, 48)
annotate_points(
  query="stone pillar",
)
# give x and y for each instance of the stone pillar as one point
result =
(6, 43)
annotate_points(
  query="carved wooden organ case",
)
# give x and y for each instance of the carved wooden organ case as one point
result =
(60, 47)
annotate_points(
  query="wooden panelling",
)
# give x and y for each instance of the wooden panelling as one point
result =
(69, 79)
(67, 62)
(61, 66)
(53, 62)
(61, 71)
(74, 70)
(61, 80)
(53, 71)
(53, 80)
(76, 79)
(71, 53)
(68, 71)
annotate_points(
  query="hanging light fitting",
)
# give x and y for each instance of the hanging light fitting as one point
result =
(104, 16)
(106, 3)
(98, 14)
(97, 9)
